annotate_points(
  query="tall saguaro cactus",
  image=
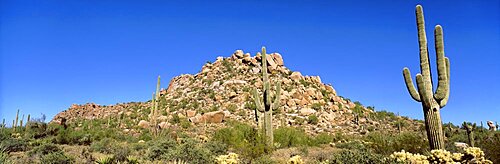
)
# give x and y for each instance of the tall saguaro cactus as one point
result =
(154, 108)
(265, 107)
(469, 127)
(431, 102)
(17, 119)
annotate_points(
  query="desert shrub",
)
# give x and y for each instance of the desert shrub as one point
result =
(44, 149)
(265, 159)
(316, 106)
(290, 137)
(106, 145)
(121, 153)
(190, 151)
(313, 119)
(175, 119)
(490, 146)
(13, 145)
(356, 156)
(382, 115)
(250, 105)
(185, 123)
(232, 108)
(386, 144)
(352, 145)
(216, 147)
(56, 158)
(322, 138)
(4, 158)
(35, 130)
(243, 138)
(159, 147)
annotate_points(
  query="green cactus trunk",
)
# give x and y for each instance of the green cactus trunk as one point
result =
(264, 111)
(17, 119)
(431, 102)
(469, 128)
(154, 110)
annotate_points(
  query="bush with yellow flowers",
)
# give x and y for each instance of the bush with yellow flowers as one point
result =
(231, 158)
(295, 160)
(469, 155)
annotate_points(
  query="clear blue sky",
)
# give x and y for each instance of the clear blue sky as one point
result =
(56, 53)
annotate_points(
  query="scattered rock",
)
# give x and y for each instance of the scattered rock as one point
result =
(143, 124)
(307, 111)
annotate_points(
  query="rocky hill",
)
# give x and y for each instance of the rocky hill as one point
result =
(221, 91)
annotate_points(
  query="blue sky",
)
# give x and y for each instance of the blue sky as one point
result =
(56, 53)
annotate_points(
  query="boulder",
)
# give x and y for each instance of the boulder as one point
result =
(278, 59)
(238, 54)
(307, 111)
(271, 65)
(163, 125)
(296, 76)
(190, 113)
(143, 124)
(491, 125)
(210, 117)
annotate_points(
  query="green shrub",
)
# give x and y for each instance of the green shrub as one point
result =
(265, 159)
(106, 145)
(159, 147)
(35, 130)
(185, 123)
(322, 138)
(57, 158)
(4, 158)
(121, 153)
(243, 139)
(190, 151)
(355, 156)
(313, 119)
(13, 145)
(386, 144)
(44, 149)
(175, 119)
(290, 137)
(352, 145)
(216, 147)
(316, 106)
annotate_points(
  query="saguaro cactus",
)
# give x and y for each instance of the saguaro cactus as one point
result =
(264, 111)
(431, 102)
(154, 108)
(469, 127)
(17, 119)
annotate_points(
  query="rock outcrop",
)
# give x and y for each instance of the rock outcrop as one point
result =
(221, 91)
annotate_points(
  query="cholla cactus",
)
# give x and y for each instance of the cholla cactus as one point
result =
(231, 158)
(264, 111)
(470, 155)
(431, 102)
(409, 157)
(295, 160)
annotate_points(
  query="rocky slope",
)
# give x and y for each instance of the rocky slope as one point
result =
(222, 91)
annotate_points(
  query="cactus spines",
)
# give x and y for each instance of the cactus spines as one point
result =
(469, 128)
(431, 102)
(265, 107)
